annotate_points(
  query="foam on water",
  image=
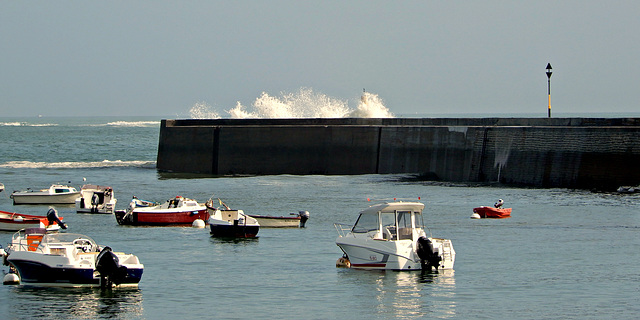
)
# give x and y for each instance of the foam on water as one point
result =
(305, 103)
(76, 165)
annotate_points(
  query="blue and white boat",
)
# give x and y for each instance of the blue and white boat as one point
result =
(228, 223)
(69, 260)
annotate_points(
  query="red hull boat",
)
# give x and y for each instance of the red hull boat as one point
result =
(175, 212)
(12, 221)
(490, 212)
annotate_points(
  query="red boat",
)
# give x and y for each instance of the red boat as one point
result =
(12, 221)
(175, 212)
(490, 212)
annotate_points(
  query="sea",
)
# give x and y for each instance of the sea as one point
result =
(564, 254)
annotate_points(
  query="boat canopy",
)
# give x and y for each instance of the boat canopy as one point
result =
(393, 216)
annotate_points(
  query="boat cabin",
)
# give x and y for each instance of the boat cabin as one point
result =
(391, 221)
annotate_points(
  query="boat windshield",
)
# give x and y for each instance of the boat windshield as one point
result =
(366, 223)
(64, 238)
(418, 218)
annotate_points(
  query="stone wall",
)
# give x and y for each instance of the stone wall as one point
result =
(541, 152)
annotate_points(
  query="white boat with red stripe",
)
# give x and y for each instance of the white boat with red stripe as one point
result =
(391, 236)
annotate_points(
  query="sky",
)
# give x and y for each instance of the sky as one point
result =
(159, 58)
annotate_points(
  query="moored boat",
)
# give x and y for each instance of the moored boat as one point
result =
(294, 220)
(491, 212)
(391, 236)
(12, 221)
(69, 260)
(96, 199)
(55, 194)
(178, 211)
(227, 223)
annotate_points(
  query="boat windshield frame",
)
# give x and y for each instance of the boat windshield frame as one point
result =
(390, 221)
(59, 237)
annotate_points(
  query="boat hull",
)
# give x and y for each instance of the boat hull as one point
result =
(13, 225)
(11, 221)
(41, 274)
(391, 255)
(277, 222)
(33, 198)
(161, 218)
(234, 231)
(495, 213)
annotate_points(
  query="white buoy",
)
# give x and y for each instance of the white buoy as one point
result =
(198, 223)
(11, 278)
(475, 216)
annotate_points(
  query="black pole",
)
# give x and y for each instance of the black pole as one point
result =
(549, 92)
(549, 85)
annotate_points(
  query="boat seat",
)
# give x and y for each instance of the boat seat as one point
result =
(404, 234)
(33, 241)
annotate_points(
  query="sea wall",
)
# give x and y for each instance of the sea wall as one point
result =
(597, 153)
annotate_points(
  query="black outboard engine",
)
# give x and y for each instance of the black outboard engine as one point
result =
(304, 216)
(52, 216)
(428, 255)
(108, 265)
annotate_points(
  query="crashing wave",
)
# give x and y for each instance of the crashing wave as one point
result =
(304, 103)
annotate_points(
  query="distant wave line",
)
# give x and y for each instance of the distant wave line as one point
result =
(132, 124)
(128, 124)
(76, 165)
(26, 124)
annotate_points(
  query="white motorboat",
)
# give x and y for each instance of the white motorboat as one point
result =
(69, 260)
(228, 223)
(56, 194)
(1, 187)
(294, 220)
(391, 236)
(96, 199)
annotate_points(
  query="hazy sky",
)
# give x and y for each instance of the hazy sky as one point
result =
(158, 58)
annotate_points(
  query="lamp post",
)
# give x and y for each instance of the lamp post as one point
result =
(549, 85)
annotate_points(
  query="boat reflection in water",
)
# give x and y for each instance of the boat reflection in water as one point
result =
(74, 303)
(406, 295)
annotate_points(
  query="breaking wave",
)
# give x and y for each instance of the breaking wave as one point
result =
(304, 103)
(76, 165)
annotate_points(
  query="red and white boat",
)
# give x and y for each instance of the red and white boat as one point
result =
(12, 221)
(178, 211)
(491, 212)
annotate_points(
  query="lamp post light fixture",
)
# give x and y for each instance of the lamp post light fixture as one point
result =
(549, 85)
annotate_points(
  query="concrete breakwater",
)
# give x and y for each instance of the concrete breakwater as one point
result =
(601, 153)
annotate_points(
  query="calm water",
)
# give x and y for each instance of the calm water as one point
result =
(563, 254)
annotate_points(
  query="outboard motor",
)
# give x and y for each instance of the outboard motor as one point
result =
(108, 265)
(304, 216)
(428, 255)
(52, 216)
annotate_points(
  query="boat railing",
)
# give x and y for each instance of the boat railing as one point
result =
(343, 229)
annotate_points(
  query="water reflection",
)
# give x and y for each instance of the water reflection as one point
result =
(73, 303)
(408, 295)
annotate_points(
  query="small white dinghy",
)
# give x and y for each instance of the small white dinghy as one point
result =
(96, 199)
(55, 194)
